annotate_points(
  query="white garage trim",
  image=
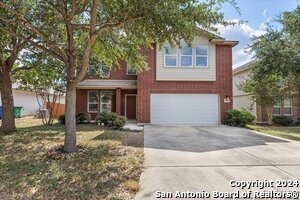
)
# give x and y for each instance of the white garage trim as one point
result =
(202, 109)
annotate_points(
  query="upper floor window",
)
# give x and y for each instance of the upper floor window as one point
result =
(186, 56)
(170, 56)
(99, 69)
(201, 56)
(131, 71)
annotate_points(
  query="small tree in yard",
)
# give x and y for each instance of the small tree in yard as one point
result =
(266, 89)
(47, 81)
(277, 72)
(112, 30)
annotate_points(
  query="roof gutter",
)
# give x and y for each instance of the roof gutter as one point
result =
(224, 42)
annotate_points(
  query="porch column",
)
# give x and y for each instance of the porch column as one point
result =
(118, 101)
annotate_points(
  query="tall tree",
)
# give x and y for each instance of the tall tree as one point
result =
(10, 48)
(279, 49)
(74, 30)
(278, 55)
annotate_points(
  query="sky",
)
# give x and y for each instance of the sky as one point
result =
(255, 14)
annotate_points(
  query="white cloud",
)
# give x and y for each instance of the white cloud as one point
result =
(242, 33)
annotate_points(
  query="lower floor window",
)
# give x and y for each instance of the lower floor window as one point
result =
(93, 101)
(283, 105)
(287, 105)
(105, 101)
(276, 108)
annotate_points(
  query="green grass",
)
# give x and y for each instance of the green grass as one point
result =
(292, 133)
(109, 169)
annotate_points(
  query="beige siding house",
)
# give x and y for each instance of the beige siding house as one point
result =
(288, 106)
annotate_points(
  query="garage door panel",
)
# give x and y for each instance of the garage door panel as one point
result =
(184, 109)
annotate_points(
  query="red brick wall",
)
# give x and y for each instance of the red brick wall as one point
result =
(262, 113)
(147, 83)
(117, 73)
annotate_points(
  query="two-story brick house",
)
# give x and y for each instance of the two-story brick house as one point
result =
(184, 85)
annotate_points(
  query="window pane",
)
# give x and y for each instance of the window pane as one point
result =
(186, 61)
(105, 108)
(288, 111)
(130, 70)
(287, 102)
(201, 61)
(105, 97)
(91, 70)
(276, 111)
(277, 104)
(201, 50)
(170, 51)
(186, 50)
(93, 97)
(93, 107)
(99, 69)
(171, 61)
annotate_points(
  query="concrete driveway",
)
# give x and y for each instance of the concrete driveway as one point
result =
(192, 158)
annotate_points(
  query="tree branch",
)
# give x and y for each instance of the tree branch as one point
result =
(114, 25)
(21, 68)
(36, 44)
(29, 27)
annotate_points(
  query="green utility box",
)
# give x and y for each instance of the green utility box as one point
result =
(18, 111)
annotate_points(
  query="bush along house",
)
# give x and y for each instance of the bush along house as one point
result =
(183, 85)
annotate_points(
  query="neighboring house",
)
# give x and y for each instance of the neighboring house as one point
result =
(288, 106)
(187, 85)
(28, 101)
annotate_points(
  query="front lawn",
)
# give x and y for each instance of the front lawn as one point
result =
(292, 133)
(108, 167)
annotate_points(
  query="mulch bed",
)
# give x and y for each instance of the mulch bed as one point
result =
(58, 153)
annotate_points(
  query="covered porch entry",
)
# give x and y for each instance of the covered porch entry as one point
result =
(110, 98)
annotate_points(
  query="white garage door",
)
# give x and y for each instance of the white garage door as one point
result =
(184, 109)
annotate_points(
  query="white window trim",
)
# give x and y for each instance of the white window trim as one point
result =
(165, 55)
(192, 56)
(128, 73)
(105, 103)
(88, 102)
(201, 56)
(288, 107)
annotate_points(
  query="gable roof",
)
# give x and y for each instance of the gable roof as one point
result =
(216, 39)
(244, 67)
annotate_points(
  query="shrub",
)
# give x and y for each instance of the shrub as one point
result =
(119, 122)
(246, 118)
(106, 118)
(62, 119)
(239, 118)
(103, 117)
(283, 120)
(82, 118)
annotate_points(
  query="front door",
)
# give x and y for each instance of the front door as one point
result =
(130, 110)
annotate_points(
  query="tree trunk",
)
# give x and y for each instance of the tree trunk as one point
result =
(8, 118)
(270, 115)
(70, 123)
